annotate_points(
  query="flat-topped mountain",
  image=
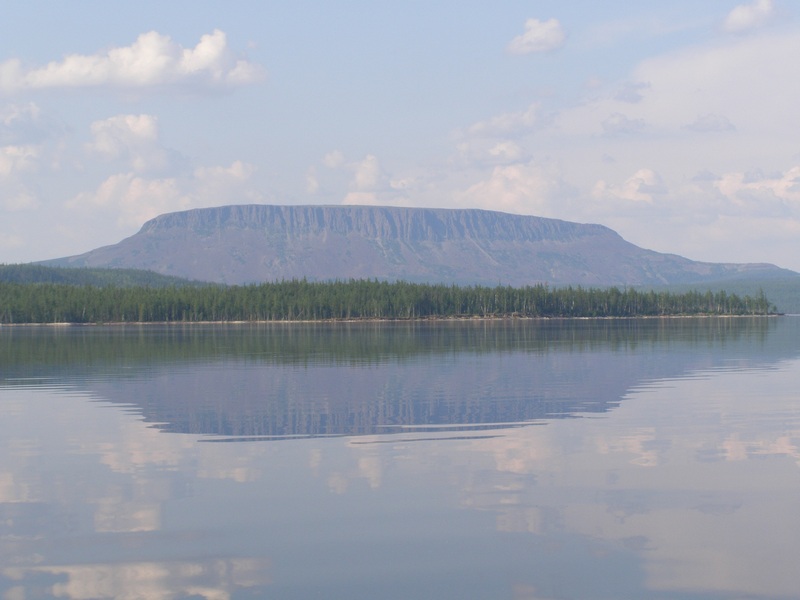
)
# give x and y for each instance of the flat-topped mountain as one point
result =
(255, 243)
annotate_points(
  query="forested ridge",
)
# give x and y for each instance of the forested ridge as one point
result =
(354, 299)
(33, 273)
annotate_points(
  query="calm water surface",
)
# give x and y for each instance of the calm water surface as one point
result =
(489, 460)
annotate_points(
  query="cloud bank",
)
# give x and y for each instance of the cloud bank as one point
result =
(749, 16)
(152, 60)
(539, 36)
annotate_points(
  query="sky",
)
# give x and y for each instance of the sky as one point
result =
(674, 123)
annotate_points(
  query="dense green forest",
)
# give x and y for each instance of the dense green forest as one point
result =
(355, 299)
(31, 273)
(783, 292)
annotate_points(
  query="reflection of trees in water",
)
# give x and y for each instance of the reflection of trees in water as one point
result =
(380, 377)
(93, 347)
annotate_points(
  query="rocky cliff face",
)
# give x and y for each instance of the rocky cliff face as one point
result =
(373, 222)
(254, 243)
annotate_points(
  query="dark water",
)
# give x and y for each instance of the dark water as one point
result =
(488, 460)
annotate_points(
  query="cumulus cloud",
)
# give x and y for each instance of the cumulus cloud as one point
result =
(506, 124)
(495, 140)
(521, 188)
(746, 17)
(18, 162)
(238, 171)
(758, 191)
(152, 60)
(368, 179)
(367, 173)
(642, 186)
(507, 150)
(333, 159)
(24, 124)
(129, 137)
(711, 122)
(14, 159)
(539, 36)
(136, 199)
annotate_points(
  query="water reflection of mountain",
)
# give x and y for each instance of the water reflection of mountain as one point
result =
(347, 379)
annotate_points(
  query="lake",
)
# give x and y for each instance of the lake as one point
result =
(513, 459)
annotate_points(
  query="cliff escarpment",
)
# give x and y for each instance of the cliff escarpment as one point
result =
(242, 244)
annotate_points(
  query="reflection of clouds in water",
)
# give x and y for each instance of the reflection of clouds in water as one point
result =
(118, 515)
(697, 524)
(13, 491)
(139, 446)
(369, 467)
(520, 519)
(640, 483)
(516, 454)
(212, 579)
(640, 444)
(724, 527)
(734, 448)
(337, 483)
(362, 460)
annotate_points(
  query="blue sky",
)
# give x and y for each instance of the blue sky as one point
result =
(675, 123)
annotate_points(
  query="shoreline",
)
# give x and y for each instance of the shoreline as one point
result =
(431, 319)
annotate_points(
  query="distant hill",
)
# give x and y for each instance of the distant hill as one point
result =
(31, 273)
(255, 243)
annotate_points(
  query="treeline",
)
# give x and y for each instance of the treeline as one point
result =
(355, 299)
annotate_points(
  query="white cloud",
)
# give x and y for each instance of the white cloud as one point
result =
(753, 81)
(368, 179)
(14, 159)
(521, 188)
(238, 172)
(367, 173)
(507, 150)
(18, 163)
(749, 16)
(24, 124)
(333, 159)
(312, 181)
(216, 186)
(496, 140)
(757, 191)
(539, 36)
(135, 199)
(506, 124)
(711, 122)
(642, 186)
(482, 152)
(360, 198)
(152, 60)
(130, 137)
(619, 124)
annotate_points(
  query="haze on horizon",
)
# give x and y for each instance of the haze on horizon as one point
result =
(673, 123)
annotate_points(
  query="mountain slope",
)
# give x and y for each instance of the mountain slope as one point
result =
(253, 243)
(31, 273)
